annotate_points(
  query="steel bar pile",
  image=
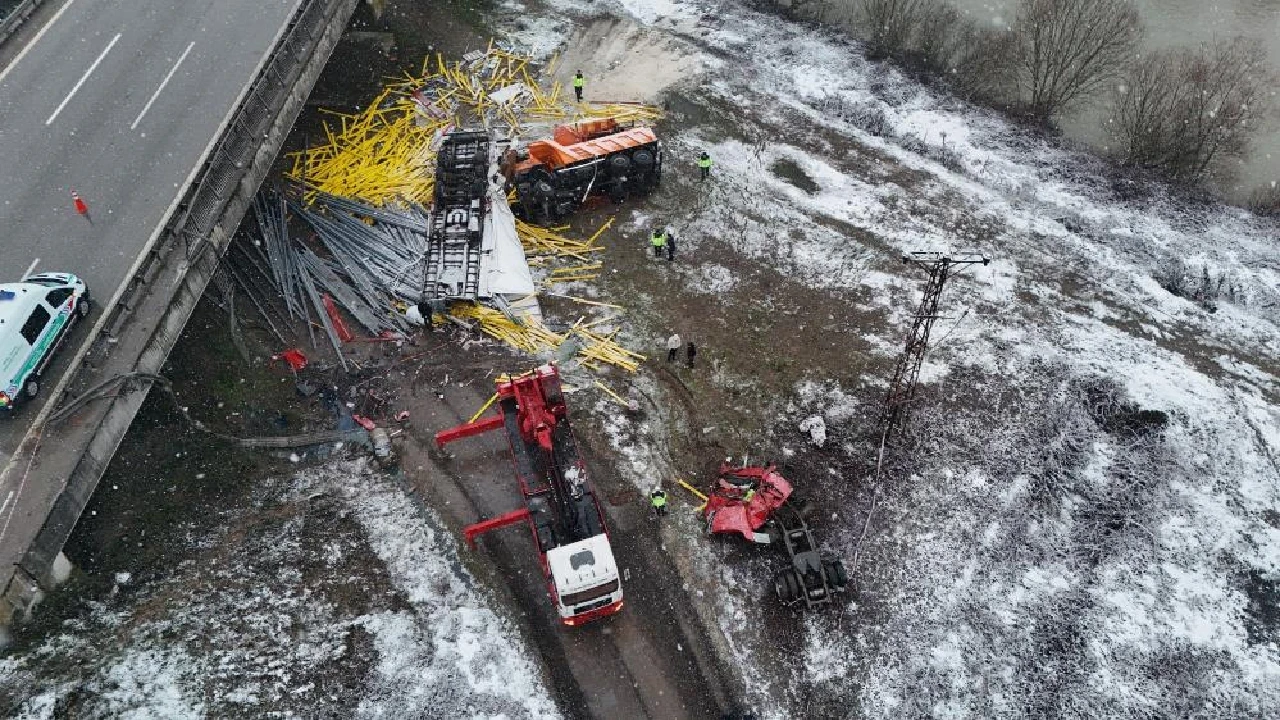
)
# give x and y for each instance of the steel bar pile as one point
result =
(366, 259)
(270, 210)
(376, 260)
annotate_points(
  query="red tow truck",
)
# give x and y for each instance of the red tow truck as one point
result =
(560, 507)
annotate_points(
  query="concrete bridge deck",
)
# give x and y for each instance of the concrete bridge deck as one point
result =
(164, 117)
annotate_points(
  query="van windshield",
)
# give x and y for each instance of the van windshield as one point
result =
(35, 324)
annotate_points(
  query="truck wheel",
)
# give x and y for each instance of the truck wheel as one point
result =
(84, 306)
(619, 165)
(773, 530)
(797, 585)
(837, 577)
(800, 505)
(787, 586)
(31, 389)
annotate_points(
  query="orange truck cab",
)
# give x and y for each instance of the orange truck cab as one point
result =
(553, 176)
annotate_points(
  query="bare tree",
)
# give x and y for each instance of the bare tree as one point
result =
(1066, 49)
(978, 61)
(1178, 111)
(891, 25)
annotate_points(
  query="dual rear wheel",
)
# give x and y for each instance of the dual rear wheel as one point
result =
(789, 587)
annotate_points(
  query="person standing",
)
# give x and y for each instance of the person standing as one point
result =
(659, 241)
(579, 82)
(673, 346)
(658, 499)
(704, 165)
(671, 244)
(690, 352)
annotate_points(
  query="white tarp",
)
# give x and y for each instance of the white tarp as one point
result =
(504, 270)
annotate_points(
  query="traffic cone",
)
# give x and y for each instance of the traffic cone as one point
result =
(81, 208)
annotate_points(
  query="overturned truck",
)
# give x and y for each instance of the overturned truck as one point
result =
(756, 502)
(552, 177)
(473, 251)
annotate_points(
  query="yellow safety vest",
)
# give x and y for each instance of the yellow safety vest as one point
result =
(704, 162)
(659, 500)
(659, 239)
(579, 81)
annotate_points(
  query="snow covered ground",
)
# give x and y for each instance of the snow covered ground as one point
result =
(337, 596)
(1084, 519)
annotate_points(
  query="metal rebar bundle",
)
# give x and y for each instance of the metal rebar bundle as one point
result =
(368, 259)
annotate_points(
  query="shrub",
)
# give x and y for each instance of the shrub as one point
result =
(1179, 111)
(869, 117)
(891, 25)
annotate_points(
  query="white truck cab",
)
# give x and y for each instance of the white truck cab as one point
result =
(36, 315)
(586, 579)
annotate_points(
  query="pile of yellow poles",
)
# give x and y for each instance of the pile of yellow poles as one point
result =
(595, 351)
(378, 156)
(542, 242)
(625, 113)
(598, 350)
(529, 336)
(573, 273)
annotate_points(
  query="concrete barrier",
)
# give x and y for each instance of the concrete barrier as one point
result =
(11, 22)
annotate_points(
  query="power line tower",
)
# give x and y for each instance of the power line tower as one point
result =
(902, 386)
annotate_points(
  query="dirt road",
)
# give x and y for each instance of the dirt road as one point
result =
(649, 661)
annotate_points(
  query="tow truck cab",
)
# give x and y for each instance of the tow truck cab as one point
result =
(36, 315)
(585, 579)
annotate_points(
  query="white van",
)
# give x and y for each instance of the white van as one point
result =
(35, 317)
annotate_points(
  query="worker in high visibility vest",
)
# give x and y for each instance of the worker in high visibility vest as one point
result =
(704, 165)
(659, 242)
(658, 499)
(746, 497)
(578, 83)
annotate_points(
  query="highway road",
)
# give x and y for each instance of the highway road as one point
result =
(117, 100)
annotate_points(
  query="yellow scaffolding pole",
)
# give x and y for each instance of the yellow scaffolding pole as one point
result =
(484, 407)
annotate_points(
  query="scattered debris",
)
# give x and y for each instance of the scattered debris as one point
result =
(757, 503)
(816, 428)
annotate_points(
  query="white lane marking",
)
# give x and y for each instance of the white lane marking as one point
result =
(84, 77)
(4, 73)
(34, 263)
(7, 499)
(164, 82)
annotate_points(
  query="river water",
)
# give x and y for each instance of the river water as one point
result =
(1174, 23)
